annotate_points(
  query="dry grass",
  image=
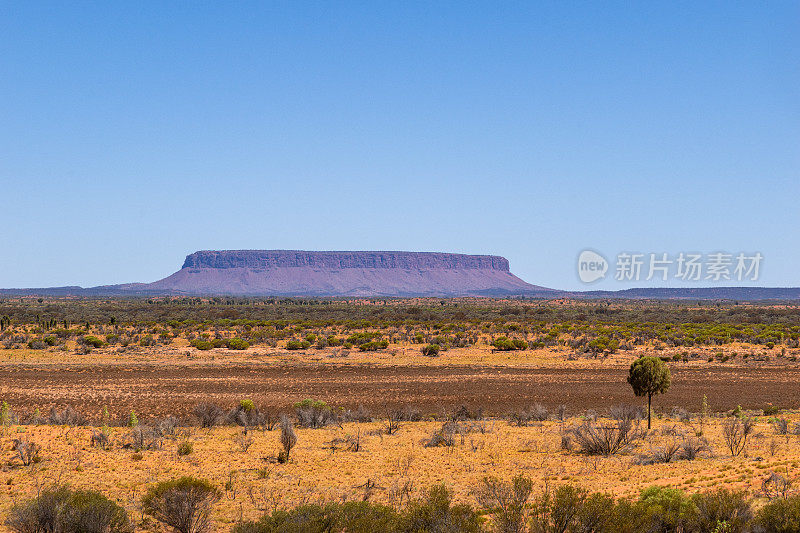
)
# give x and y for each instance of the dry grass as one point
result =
(385, 465)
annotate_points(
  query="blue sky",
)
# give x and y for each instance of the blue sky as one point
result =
(134, 133)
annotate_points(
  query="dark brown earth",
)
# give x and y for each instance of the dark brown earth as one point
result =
(158, 390)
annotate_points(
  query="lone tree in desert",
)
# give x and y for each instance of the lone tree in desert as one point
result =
(648, 376)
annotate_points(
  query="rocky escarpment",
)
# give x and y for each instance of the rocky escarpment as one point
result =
(259, 259)
(304, 273)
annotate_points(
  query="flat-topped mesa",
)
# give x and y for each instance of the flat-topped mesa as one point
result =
(268, 259)
(304, 273)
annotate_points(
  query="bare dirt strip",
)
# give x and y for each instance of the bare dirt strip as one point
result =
(158, 390)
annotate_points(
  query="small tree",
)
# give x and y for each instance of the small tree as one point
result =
(648, 376)
(183, 504)
(288, 437)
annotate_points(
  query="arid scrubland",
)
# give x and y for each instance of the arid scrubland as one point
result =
(519, 408)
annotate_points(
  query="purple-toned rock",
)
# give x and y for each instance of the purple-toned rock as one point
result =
(302, 273)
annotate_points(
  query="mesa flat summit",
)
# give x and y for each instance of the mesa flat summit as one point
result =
(304, 273)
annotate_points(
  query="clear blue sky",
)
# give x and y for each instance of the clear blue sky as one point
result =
(134, 133)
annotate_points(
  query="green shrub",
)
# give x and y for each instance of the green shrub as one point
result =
(434, 512)
(65, 511)
(237, 344)
(363, 337)
(201, 344)
(503, 344)
(519, 344)
(334, 341)
(36, 344)
(711, 510)
(351, 517)
(218, 343)
(507, 501)
(91, 340)
(431, 350)
(247, 404)
(557, 510)
(147, 340)
(182, 504)
(298, 345)
(780, 515)
(664, 509)
(373, 346)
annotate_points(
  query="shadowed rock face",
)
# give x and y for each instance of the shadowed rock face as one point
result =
(302, 273)
(292, 259)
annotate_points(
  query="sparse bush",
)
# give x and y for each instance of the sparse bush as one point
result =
(445, 436)
(288, 437)
(736, 433)
(597, 438)
(182, 504)
(28, 452)
(243, 441)
(360, 414)
(691, 447)
(208, 414)
(776, 486)
(246, 415)
(185, 448)
(522, 418)
(781, 426)
(507, 501)
(99, 439)
(144, 438)
(66, 417)
(167, 426)
(314, 413)
(662, 454)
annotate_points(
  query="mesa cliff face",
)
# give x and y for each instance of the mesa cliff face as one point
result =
(292, 259)
(303, 273)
